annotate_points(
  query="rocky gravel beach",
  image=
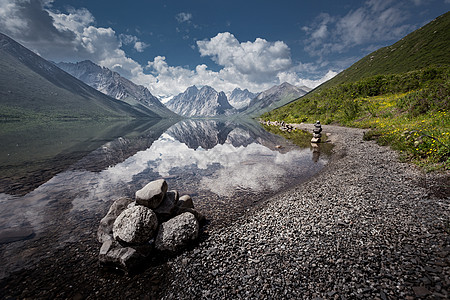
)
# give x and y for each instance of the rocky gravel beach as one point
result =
(367, 227)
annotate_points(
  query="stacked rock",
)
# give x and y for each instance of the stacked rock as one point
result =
(157, 218)
(317, 133)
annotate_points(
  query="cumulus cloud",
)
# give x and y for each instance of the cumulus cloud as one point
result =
(257, 66)
(258, 60)
(69, 36)
(73, 36)
(376, 21)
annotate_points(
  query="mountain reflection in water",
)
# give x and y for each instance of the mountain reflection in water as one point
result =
(224, 165)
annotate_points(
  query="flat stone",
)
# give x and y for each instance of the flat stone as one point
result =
(105, 228)
(114, 254)
(152, 194)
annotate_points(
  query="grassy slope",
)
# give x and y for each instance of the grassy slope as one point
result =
(402, 95)
(429, 45)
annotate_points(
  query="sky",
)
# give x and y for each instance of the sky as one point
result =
(169, 45)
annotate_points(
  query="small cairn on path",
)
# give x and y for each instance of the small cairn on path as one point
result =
(156, 219)
(286, 127)
(317, 132)
(282, 125)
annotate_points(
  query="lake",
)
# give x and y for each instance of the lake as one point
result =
(58, 179)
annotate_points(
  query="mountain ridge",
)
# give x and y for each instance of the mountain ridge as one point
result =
(204, 102)
(240, 99)
(421, 48)
(114, 85)
(32, 87)
(273, 98)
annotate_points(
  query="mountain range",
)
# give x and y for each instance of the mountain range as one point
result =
(116, 86)
(205, 102)
(208, 102)
(240, 99)
(32, 87)
(274, 97)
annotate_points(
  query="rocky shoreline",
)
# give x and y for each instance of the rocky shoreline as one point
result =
(367, 227)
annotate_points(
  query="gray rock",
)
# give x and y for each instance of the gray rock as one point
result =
(177, 232)
(185, 201)
(105, 228)
(152, 194)
(126, 258)
(198, 215)
(135, 225)
(166, 209)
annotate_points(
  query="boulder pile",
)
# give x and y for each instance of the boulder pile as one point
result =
(156, 219)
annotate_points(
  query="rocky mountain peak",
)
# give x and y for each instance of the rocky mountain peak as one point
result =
(113, 84)
(204, 102)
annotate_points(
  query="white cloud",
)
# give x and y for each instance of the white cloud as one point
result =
(258, 60)
(183, 17)
(294, 79)
(138, 45)
(256, 66)
(73, 36)
(374, 22)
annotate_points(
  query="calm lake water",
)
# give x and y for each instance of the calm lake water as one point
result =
(58, 179)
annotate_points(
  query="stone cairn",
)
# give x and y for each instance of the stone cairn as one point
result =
(155, 219)
(317, 133)
(282, 125)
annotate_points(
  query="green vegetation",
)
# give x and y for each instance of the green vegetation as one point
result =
(407, 111)
(400, 93)
(420, 49)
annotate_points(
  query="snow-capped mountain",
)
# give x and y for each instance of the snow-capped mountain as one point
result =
(204, 102)
(240, 98)
(274, 97)
(114, 85)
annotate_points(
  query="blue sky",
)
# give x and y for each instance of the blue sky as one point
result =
(169, 45)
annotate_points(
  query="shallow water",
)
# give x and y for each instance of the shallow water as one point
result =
(58, 180)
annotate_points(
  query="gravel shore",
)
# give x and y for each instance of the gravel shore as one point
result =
(367, 227)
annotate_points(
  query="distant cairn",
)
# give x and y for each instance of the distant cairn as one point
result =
(317, 133)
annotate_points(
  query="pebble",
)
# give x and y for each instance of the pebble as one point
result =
(364, 228)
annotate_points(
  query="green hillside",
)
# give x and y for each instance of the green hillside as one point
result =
(400, 92)
(428, 45)
(33, 88)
